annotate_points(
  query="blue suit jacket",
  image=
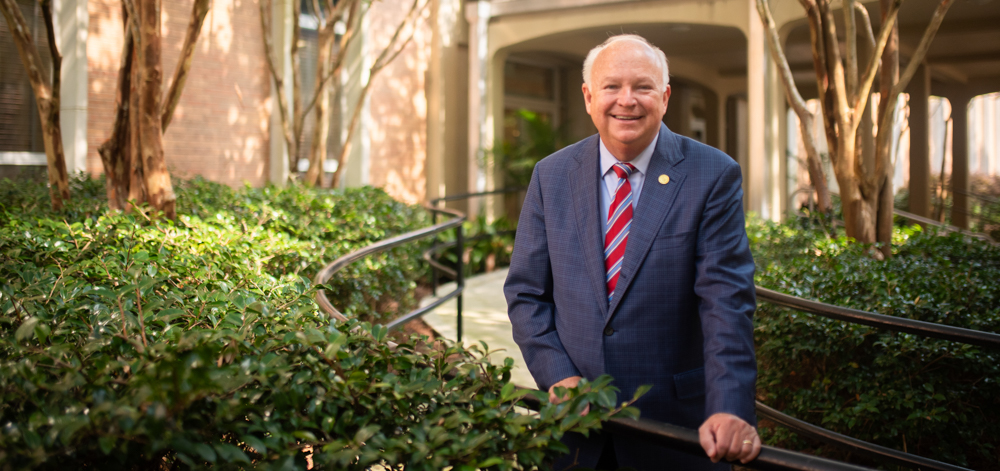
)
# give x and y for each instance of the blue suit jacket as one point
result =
(680, 318)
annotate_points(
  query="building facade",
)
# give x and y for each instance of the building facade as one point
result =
(434, 118)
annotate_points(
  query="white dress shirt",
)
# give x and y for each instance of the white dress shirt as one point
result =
(641, 163)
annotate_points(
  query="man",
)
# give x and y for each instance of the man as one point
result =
(660, 292)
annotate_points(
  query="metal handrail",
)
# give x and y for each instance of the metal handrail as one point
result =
(429, 254)
(687, 440)
(916, 218)
(946, 227)
(899, 324)
(668, 435)
(680, 438)
(345, 260)
(870, 450)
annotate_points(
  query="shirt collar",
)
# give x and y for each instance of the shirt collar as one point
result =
(641, 162)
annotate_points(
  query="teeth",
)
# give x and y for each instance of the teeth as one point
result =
(628, 118)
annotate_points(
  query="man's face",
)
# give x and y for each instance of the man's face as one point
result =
(626, 97)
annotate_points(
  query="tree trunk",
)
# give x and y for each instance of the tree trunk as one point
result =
(198, 13)
(389, 54)
(46, 94)
(321, 129)
(159, 191)
(883, 149)
(114, 151)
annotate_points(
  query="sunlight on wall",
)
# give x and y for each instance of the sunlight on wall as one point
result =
(398, 108)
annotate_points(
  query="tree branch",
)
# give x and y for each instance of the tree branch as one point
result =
(279, 83)
(925, 43)
(817, 42)
(53, 51)
(915, 61)
(384, 58)
(869, 35)
(795, 100)
(198, 13)
(851, 46)
(345, 40)
(869, 77)
(835, 68)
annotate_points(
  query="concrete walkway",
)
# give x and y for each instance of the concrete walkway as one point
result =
(484, 317)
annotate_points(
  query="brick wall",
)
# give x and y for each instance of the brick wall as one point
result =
(398, 106)
(219, 129)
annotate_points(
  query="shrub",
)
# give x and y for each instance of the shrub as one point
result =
(487, 245)
(934, 398)
(128, 343)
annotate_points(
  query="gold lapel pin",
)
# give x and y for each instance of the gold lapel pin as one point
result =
(664, 179)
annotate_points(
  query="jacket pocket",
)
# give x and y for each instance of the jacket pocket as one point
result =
(690, 384)
(673, 241)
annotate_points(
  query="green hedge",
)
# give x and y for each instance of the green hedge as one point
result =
(934, 398)
(127, 343)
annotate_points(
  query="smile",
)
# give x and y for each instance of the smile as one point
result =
(626, 118)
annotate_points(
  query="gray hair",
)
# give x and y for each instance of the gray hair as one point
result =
(588, 63)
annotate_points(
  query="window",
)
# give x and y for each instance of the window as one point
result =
(20, 126)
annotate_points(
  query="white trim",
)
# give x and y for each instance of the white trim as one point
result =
(281, 38)
(23, 158)
(72, 23)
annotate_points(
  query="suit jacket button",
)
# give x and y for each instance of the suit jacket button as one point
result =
(608, 331)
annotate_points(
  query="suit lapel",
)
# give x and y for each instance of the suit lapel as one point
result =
(655, 202)
(583, 181)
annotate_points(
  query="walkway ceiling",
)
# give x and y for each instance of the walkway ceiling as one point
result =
(964, 56)
(716, 47)
(965, 52)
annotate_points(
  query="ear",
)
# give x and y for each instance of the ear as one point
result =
(666, 97)
(587, 97)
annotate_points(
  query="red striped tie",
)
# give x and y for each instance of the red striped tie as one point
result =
(619, 220)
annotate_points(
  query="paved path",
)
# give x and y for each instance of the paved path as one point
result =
(484, 317)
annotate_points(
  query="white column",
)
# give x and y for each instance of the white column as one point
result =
(478, 15)
(71, 23)
(754, 174)
(281, 39)
(777, 132)
(356, 73)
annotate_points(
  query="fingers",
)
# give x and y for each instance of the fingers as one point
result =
(725, 436)
(707, 439)
(754, 450)
(570, 382)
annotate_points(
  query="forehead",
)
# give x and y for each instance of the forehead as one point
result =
(627, 58)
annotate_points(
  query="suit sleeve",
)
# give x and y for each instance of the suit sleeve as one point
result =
(528, 291)
(725, 287)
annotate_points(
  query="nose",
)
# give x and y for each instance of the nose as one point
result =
(626, 97)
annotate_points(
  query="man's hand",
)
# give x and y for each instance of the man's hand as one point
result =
(570, 382)
(726, 436)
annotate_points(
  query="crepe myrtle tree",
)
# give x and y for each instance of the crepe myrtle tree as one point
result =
(45, 85)
(133, 156)
(859, 150)
(295, 105)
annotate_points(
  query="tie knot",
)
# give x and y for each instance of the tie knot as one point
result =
(623, 170)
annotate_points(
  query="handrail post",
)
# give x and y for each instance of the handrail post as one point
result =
(460, 277)
(434, 272)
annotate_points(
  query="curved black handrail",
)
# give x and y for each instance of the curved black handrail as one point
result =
(681, 438)
(915, 218)
(663, 434)
(945, 227)
(687, 440)
(899, 324)
(345, 260)
(870, 450)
